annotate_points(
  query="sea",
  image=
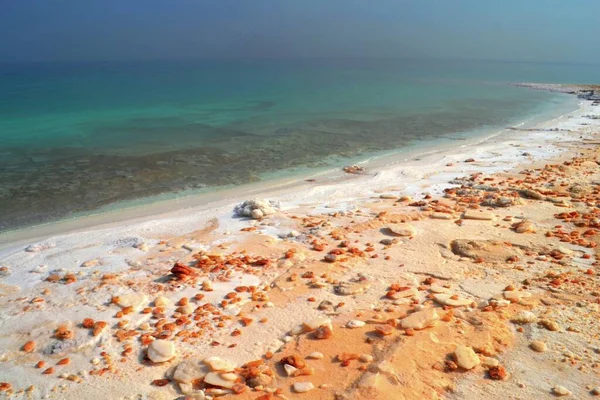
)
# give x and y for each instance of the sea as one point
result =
(78, 137)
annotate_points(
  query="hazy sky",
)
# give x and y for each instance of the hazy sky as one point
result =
(81, 30)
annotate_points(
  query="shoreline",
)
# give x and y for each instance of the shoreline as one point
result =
(461, 275)
(133, 211)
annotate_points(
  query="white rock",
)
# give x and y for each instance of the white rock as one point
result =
(313, 324)
(161, 350)
(255, 208)
(560, 391)
(257, 214)
(440, 215)
(524, 317)
(438, 289)
(214, 378)
(447, 300)
(218, 364)
(355, 324)
(135, 300)
(420, 319)
(189, 371)
(402, 230)
(465, 357)
(289, 369)
(303, 387)
(478, 215)
(192, 394)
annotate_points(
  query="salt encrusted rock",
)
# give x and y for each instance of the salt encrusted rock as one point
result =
(370, 381)
(355, 324)
(523, 226)
(90, 263)
(402, 230)
(189, 371)
(530, 194)
(350, 288)
(216, 379)
(420, 319)
(37, 247)
(538, 346)
(303, 387)
(478, 215)
(465, 357)
(218, 364)
(499, 201)
(560, 391)
(256, 208)
(524, 317)
(161, 351)
(450, 300)
(135, 300)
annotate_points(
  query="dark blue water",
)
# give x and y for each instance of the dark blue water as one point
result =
(77, 137)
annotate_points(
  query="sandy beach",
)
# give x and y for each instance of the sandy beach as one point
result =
(462, 273)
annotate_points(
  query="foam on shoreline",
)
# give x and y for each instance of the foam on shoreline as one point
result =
(430, 156)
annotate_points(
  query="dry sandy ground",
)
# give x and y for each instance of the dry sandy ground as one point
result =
(486, 289)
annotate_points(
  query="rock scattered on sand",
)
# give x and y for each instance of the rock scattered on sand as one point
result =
(530, 194)
(420, 319)
(255, 208)
(402, 230)
(218, 379)
(559, 390)
(524, 317)
(465, 357)
(219, 364)
(355, 324)
(134, 300)
(303, 387)
(523, 226)
(354, 169)
(551, 325)
(189, 371)
(451, 300)
(161, 351)
(350, 288)
(37, 247)
(161, 301)
(315, 355)
(538, 346)
(478, 215)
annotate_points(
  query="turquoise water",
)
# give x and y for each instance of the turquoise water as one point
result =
(77, 137)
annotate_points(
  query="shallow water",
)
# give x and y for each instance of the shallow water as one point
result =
(77, 137)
